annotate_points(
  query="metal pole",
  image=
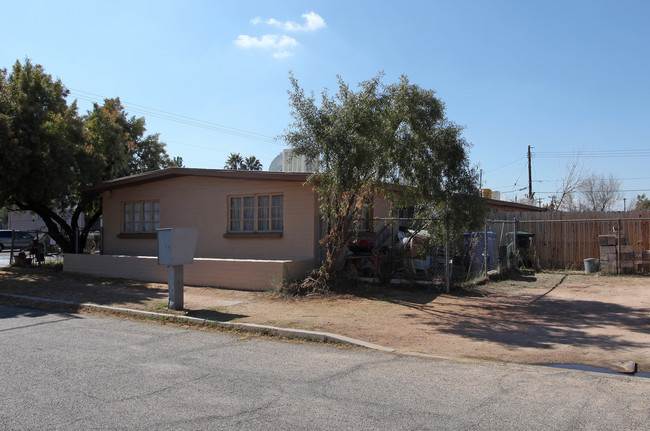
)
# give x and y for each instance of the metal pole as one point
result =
(11, 250)
(447, 263)
(485, 252)
(175, 285)
(530, 177)
(515, 247)
(618, 244)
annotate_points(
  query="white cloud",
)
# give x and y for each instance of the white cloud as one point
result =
(282, 54)
(273, 42)
(281, 45)
(268, 41)
(313, 22)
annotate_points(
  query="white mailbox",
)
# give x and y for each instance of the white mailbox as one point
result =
(176, 246)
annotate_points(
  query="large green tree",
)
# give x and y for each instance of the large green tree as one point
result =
(51, 156)
(121, 143)
(391, 140)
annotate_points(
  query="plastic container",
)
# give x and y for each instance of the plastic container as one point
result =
(591, 265)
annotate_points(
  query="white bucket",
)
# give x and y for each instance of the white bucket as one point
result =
(591, 265)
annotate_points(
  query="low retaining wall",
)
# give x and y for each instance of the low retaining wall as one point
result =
(244, 274)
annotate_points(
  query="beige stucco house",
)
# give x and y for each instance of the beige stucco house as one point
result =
(255, 228)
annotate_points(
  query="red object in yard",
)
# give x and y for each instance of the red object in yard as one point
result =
(361, 245)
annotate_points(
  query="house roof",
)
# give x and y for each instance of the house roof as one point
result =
(165, 174)
(498, 205)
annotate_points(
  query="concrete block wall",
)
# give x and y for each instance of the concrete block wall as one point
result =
(244, 274)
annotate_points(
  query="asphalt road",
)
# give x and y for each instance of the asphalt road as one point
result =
(80, 372)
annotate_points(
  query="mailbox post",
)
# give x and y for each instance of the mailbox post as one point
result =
(176, 247)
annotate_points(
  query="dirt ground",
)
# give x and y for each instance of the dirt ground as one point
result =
(542, 318)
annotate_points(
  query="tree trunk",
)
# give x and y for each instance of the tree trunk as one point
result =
(58, 229)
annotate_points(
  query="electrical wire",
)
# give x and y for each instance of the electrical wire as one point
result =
(203, 147)
(641, 152)
(506, 165)
(182, 119)
(598, 178)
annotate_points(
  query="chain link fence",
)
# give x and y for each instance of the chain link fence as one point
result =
(27, 247)
(616, 245)
(420, 251)
(406, 250)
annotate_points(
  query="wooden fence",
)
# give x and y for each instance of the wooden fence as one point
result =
(564, 239)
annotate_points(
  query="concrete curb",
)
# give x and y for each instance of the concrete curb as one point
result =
(249, 326)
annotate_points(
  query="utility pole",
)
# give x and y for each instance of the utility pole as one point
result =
(530, 178)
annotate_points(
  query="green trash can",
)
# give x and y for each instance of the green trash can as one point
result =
(523, 248)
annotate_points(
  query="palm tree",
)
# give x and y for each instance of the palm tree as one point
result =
(252, 164)
(235, 161)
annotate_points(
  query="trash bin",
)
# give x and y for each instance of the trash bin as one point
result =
(591, 265)
(523, 248)
(475, 250)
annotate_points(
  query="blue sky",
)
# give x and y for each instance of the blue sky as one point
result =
(211, 77)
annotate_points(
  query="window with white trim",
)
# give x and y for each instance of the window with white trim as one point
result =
(141, 216)
(255, 213)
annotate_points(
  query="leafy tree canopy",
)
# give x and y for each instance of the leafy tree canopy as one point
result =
(237, 162)
(393, 140)
(234, 161)
(642, 203)
(252, 163)
(50, 155)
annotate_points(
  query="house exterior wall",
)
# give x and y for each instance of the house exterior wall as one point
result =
(195, 201)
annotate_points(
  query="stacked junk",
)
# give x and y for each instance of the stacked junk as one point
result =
(393, 254)
(617, 256)
(400, 254)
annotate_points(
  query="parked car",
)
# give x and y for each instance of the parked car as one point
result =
(22, 240)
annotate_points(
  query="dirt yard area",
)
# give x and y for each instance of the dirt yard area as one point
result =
(542, 318)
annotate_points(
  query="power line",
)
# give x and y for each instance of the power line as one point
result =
(182, 119)
(577, 191)
(522, 171)
(642, 152)
(203, 147)
(597, 178)
(506, 165)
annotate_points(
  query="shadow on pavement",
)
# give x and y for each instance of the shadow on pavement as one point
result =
(215, 315)
(521, 323)
(52, 283)
(12, 311)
